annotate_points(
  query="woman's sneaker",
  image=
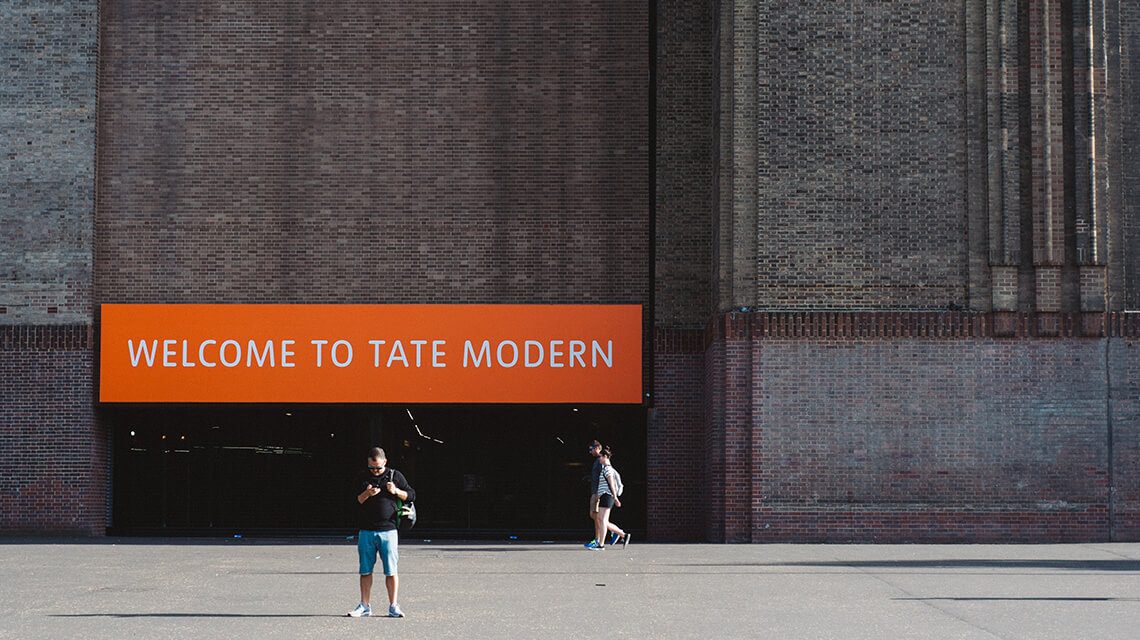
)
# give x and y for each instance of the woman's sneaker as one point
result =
(394, 611)
(593, 544)
(361, 610)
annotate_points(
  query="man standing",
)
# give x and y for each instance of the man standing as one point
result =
(379, 488)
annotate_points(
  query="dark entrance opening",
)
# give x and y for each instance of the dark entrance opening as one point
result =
(480, 471)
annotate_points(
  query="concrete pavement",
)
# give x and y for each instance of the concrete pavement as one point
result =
(202, 588)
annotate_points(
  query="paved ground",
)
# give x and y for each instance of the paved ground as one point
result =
(170, 588)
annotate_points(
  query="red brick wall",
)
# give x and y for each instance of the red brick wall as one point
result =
(1124, 376)
(919, 427)
(53, 474)
(676, 449)
(303, 151)
(714, 440)
(683, 467)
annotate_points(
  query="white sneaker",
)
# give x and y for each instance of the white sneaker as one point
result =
(394, 611)
(361, 610)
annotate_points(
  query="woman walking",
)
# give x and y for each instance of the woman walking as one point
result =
(607, 500)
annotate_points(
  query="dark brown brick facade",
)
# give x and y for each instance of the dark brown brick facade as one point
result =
(53, 467)
(1122, 58)
(863, 427)
(412, 152)
(891, 253)
(685, 167)
(676, 467)
(1124, 424)
(859, 131)
(53, 474)
(885, 180)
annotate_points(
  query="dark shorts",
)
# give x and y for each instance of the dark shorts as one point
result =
(605, 500)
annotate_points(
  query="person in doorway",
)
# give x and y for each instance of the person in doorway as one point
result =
(607, 500)
(379, 488)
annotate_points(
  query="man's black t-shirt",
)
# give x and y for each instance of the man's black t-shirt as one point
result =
(378, 513)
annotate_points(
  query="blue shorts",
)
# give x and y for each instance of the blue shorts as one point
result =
(386, 543)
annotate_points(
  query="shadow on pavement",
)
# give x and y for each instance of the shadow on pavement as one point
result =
(1074, 565)
(1047, 599)
(250, 541)
(195, 615)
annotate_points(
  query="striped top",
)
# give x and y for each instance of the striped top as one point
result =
(603, 485)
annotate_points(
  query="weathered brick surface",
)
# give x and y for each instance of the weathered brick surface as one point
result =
(739, 438)
(941, 422)
(871, 427)
(1124, 377)
(810, 157)
(715, 401)
(861, 123)
(843, 139)
(676, 449)
(932, 524)
(53, 474)
(1124, 243)
(305, 151)
(685, 168)
(47, 161)
(53, 467)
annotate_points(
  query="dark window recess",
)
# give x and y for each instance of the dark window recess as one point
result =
(479, 470)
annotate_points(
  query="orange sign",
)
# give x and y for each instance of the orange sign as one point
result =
(371, 353)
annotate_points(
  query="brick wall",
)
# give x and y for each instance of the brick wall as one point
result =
(53, 474)
(894, 156)
(1125, 96)
(907, 430)
(676, 449)
(809, 156)
(894, 160)
(680, 472)
(713, 441)
(1124, 376)
(381, 152)
(685, 168)
(859, 130)
(871, 428)
(47, 133)
(54, 465)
